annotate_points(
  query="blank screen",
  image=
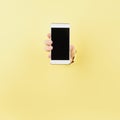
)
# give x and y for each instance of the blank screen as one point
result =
(60, 38)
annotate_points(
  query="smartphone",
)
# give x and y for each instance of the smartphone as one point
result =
(60, 36)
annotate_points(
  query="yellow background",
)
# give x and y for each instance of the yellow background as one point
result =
(32, 89)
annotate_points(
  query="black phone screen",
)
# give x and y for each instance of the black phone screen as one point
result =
(60, 38)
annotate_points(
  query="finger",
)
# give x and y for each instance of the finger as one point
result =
(49, 35)
(48, 42)
(48, 48)
(72, 54)
(72, 49)
(49, 56)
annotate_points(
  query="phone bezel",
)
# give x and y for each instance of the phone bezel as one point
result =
(61, 25)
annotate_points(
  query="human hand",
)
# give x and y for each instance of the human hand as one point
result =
(48, 48)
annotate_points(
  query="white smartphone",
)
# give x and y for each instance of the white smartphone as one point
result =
(60, 36)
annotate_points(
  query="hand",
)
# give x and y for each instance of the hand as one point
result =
(49, 47)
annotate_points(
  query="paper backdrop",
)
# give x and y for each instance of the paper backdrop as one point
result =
(32, 89)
